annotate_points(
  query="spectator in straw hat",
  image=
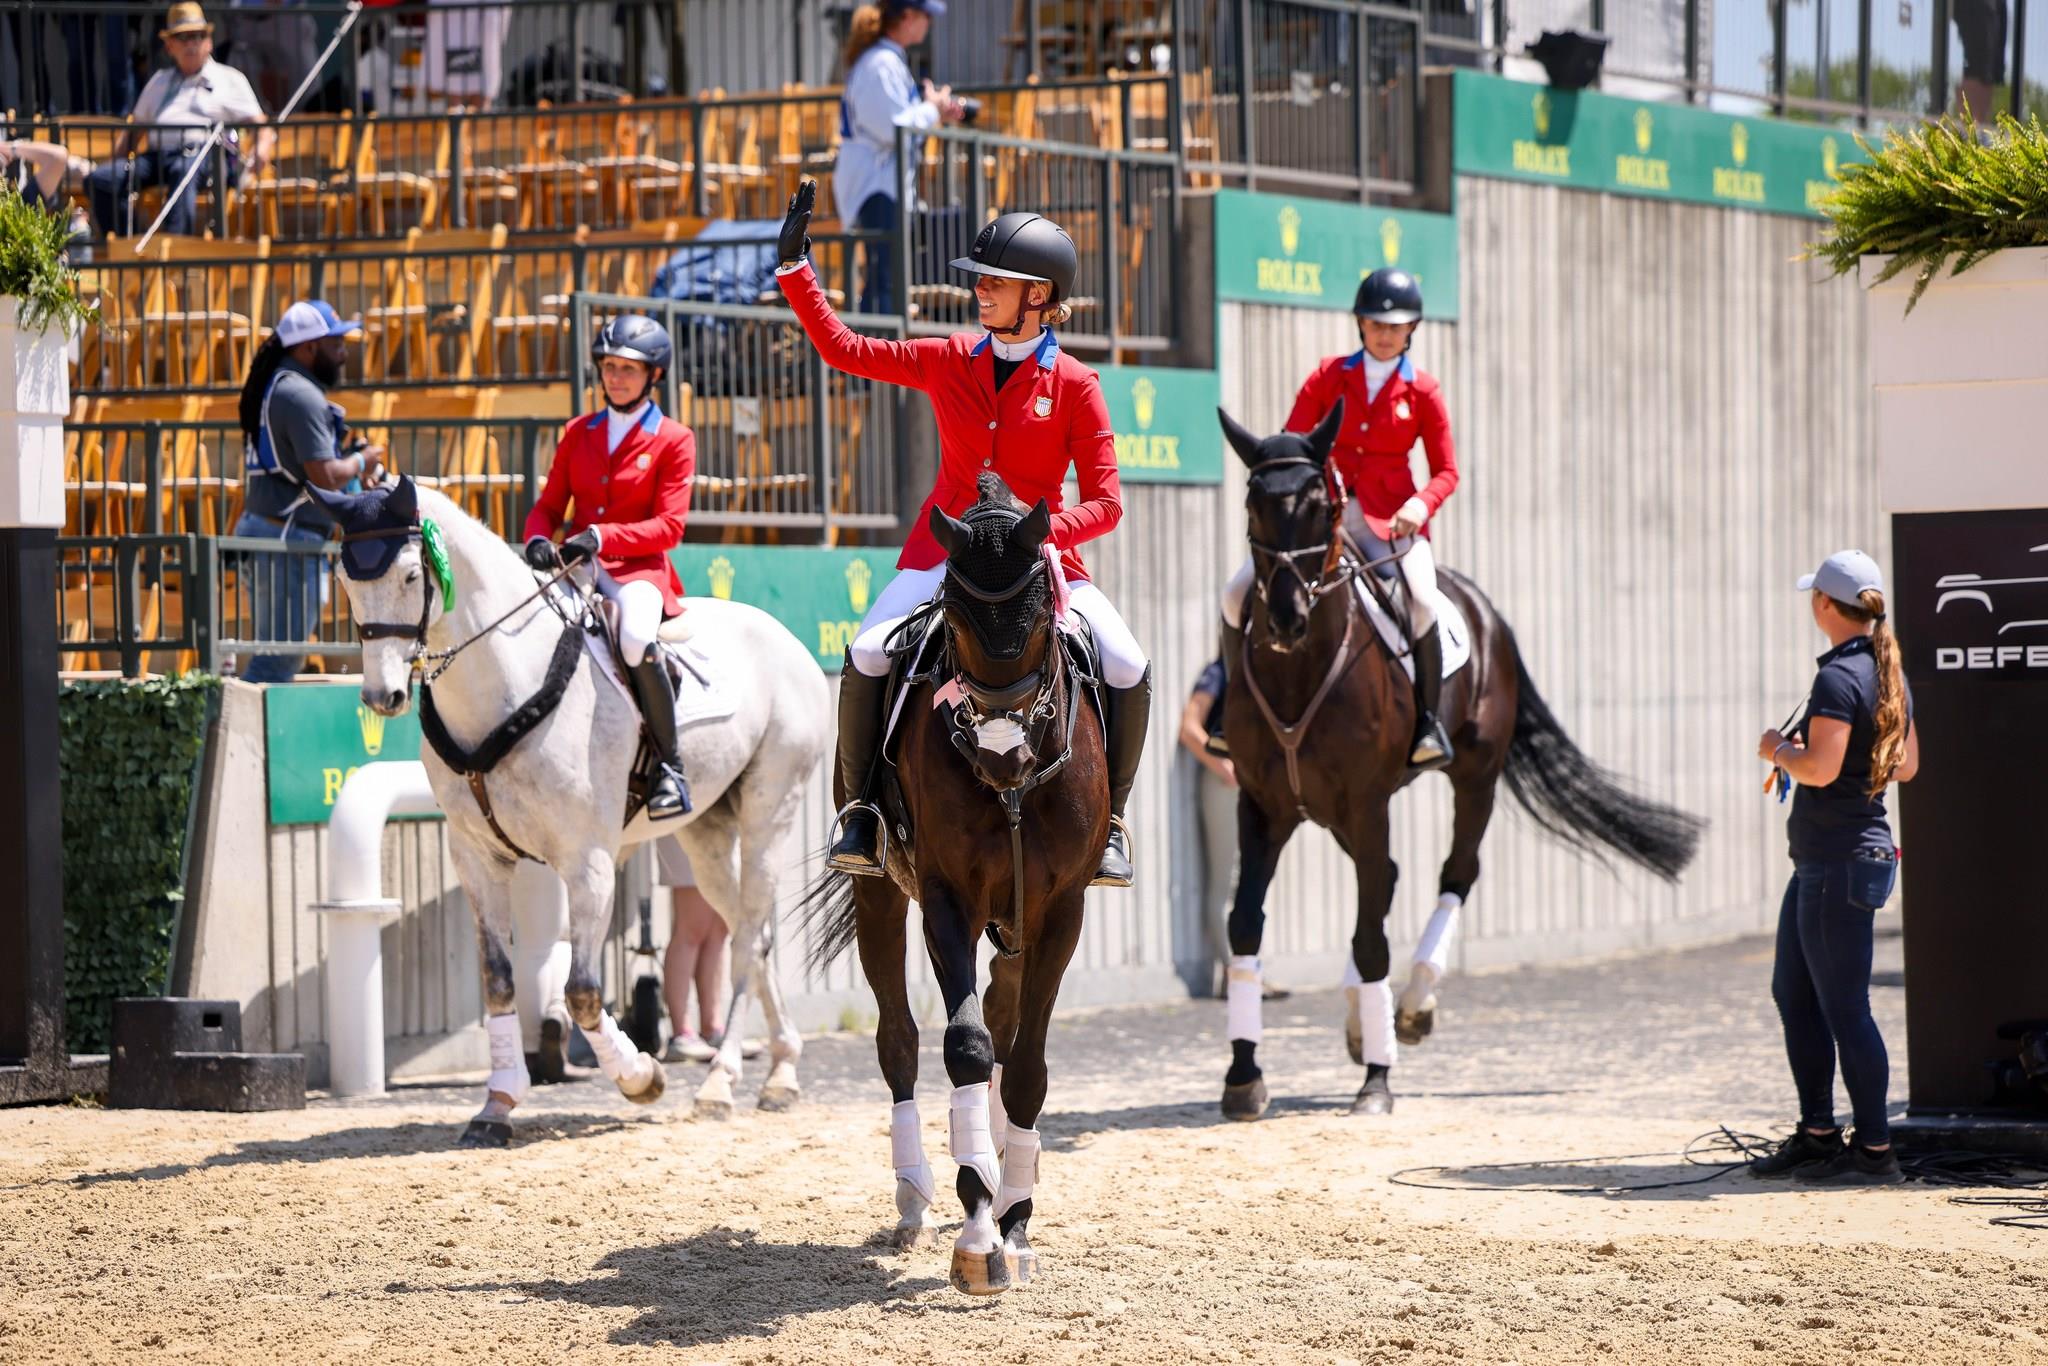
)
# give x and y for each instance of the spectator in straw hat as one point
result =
(172, 115)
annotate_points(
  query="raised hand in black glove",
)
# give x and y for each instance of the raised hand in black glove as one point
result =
(580, 547)
(796, 226)
(540, 553)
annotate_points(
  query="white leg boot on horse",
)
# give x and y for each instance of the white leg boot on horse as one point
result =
(979, 1267)
(490, 886)
(998, 1117)
(915, 1186)
(637, 1075)
(1243, 996)
(1416, 1016)
(1375, 1021)
(540, 967)
(1020, 1178)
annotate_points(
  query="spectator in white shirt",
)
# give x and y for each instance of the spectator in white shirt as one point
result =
(882, 96)
(184, 100)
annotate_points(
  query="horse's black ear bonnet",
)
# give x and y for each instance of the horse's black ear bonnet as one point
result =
(375, 525)
(992, 559)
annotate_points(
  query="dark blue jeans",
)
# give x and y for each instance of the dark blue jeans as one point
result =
(878, 288)
(284, 594)
(1822, 986)
(109, 185)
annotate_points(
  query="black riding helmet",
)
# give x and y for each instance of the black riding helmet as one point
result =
(1389, 296)
(1025, 246)
(635, 336)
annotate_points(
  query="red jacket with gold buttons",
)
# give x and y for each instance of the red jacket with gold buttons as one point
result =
(636, 496)
(1049, 416)
(1372, 447)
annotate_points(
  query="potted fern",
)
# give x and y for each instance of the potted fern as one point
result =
(1950, 235)
(40, 312)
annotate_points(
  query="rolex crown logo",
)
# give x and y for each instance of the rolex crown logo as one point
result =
(1540, 109)
(1145, 400)
(721, 573)
(1390, 240)
(859, 578)
(1738, 142)
(1646, 125)
(1290, 229)
(372, 726)
(1830, 158)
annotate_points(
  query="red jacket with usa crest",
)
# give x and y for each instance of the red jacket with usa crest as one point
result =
(637, 496)
(1371, 454)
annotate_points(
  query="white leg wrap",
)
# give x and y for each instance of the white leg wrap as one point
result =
(1376, 1022)
(998, 1116)
(1441, 932)
(1350, 978)
(508, 1058)
(1020, 1168)
(906, 1149)
(616, 1053)
(1241, 999)
(972, 1146)
(1234, 593)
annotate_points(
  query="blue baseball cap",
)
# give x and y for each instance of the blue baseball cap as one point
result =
(313, 320)
(932, 7)
(1845, 576)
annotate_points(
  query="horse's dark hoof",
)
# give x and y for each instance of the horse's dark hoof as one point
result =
(551, 1064)
(1247, 1100)
(1374, 1098)
(486, 1133)
(980, 1273)
(1410, 1029)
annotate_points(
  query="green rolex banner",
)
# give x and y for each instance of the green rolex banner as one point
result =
(315, 735)
(820, 593)
(1165, 424)
(1273, 249)
(1514, 130)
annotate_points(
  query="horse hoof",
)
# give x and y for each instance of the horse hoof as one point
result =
(1021, 1260)
(980, 1273)
(657, 1082)
(550, 1065)
(1412, 1027)
(1373, 1099)
(486, 1133)
(711, 1109)
(905, 1237)
(778, 1100)
(1246, 1100)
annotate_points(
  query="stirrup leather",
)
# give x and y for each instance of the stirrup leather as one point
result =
(838, 832)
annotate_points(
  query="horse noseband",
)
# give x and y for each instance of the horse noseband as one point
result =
(1287, 560)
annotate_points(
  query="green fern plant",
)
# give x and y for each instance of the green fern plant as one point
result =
(1935, 199)
(33, 270)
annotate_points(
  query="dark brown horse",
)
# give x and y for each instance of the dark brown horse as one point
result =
(1319, 715)
(999, 816)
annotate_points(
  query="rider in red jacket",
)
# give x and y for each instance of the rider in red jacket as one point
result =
(1388, 406)
(1010, 401)
(627, 470)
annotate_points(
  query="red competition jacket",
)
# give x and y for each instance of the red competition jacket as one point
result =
(637, 496)
(1372, 448)
(1049, 416)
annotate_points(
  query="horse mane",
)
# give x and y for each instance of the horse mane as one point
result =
(990, 491)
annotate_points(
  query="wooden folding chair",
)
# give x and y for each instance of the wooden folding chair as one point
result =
(399, 164)
(214, 294)
(308, 171)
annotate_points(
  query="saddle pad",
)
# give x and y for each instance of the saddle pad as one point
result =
(703, 692)
(1452, 630)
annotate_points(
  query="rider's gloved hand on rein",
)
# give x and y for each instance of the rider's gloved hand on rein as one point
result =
(540, 553)
(796, 227)
(580, 547)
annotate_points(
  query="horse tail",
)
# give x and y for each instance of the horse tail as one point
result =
(1583, 804)
(829, 917)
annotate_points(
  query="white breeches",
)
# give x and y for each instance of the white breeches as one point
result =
(1123, 662)
(640, 606)
(1418, 569)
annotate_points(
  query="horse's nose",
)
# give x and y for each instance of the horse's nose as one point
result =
(387, 703)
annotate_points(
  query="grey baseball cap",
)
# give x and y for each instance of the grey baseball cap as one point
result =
(1844, 576)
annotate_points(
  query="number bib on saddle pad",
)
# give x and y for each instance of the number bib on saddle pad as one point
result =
(1452, 629)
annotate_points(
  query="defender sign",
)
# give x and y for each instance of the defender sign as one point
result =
(1974, 587)
(1165, 424)
(1271, 249)
(315, 735)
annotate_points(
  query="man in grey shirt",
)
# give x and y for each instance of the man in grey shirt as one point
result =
(293, 437)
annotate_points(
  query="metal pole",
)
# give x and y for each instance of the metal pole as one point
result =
(1778, 45)
(1112, 259)
(1246, 156)
(458, 155)
(2019, 57)
(31, 812)
(899, 278)
(1360, 28)
(1034, 34)
(1863, 59)
(1692, 47)
(153, 475)
(821, 442)
(697, 197)
(576, 52)
(202, 608)
(1938, 77)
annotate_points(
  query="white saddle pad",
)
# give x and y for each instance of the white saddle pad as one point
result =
(705, 693)
(1452, 631)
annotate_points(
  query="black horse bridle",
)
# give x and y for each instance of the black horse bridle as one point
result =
(1345, 563)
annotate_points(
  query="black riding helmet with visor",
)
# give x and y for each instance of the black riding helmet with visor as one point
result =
(634, 336)
(1028, 247)
(1388, 296)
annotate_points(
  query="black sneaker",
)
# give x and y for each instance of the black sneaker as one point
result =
(1855, 1165)
(1802, 1149)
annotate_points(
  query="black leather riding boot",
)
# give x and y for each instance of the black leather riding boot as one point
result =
(1432, 748)
(1129, 710)
(857, 850)
(671, 794)
(1233, 660)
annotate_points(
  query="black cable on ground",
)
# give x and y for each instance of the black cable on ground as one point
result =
(1698, 1153)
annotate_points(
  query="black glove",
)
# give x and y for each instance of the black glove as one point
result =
(540, 553)
(796, 226)
(580, 547)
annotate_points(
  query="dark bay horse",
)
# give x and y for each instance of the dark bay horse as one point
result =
(1318, 717)
(999, 818)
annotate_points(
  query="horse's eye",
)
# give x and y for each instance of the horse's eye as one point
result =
(412, 575)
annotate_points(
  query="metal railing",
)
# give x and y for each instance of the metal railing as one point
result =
(1121, 208)
(782, 439)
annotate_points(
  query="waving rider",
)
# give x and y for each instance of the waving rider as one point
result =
(627, 469)
(1009, 401)
(1389, 404)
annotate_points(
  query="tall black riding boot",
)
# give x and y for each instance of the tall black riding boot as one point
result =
(670, 796)
(1432, 748)
(1129, 710)
(857, 850)
(1233, 661)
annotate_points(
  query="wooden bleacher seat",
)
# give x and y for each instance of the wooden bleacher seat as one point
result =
(400, 174)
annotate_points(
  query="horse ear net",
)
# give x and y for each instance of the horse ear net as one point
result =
(1243, 442)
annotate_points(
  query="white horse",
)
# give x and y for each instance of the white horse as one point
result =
(559, 793)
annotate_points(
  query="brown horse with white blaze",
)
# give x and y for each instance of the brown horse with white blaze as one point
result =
(1319, 716)
(1000, 810)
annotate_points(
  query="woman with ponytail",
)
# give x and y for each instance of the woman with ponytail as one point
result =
(1856, 739)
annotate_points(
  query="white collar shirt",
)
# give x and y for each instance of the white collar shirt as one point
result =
(215, 94)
